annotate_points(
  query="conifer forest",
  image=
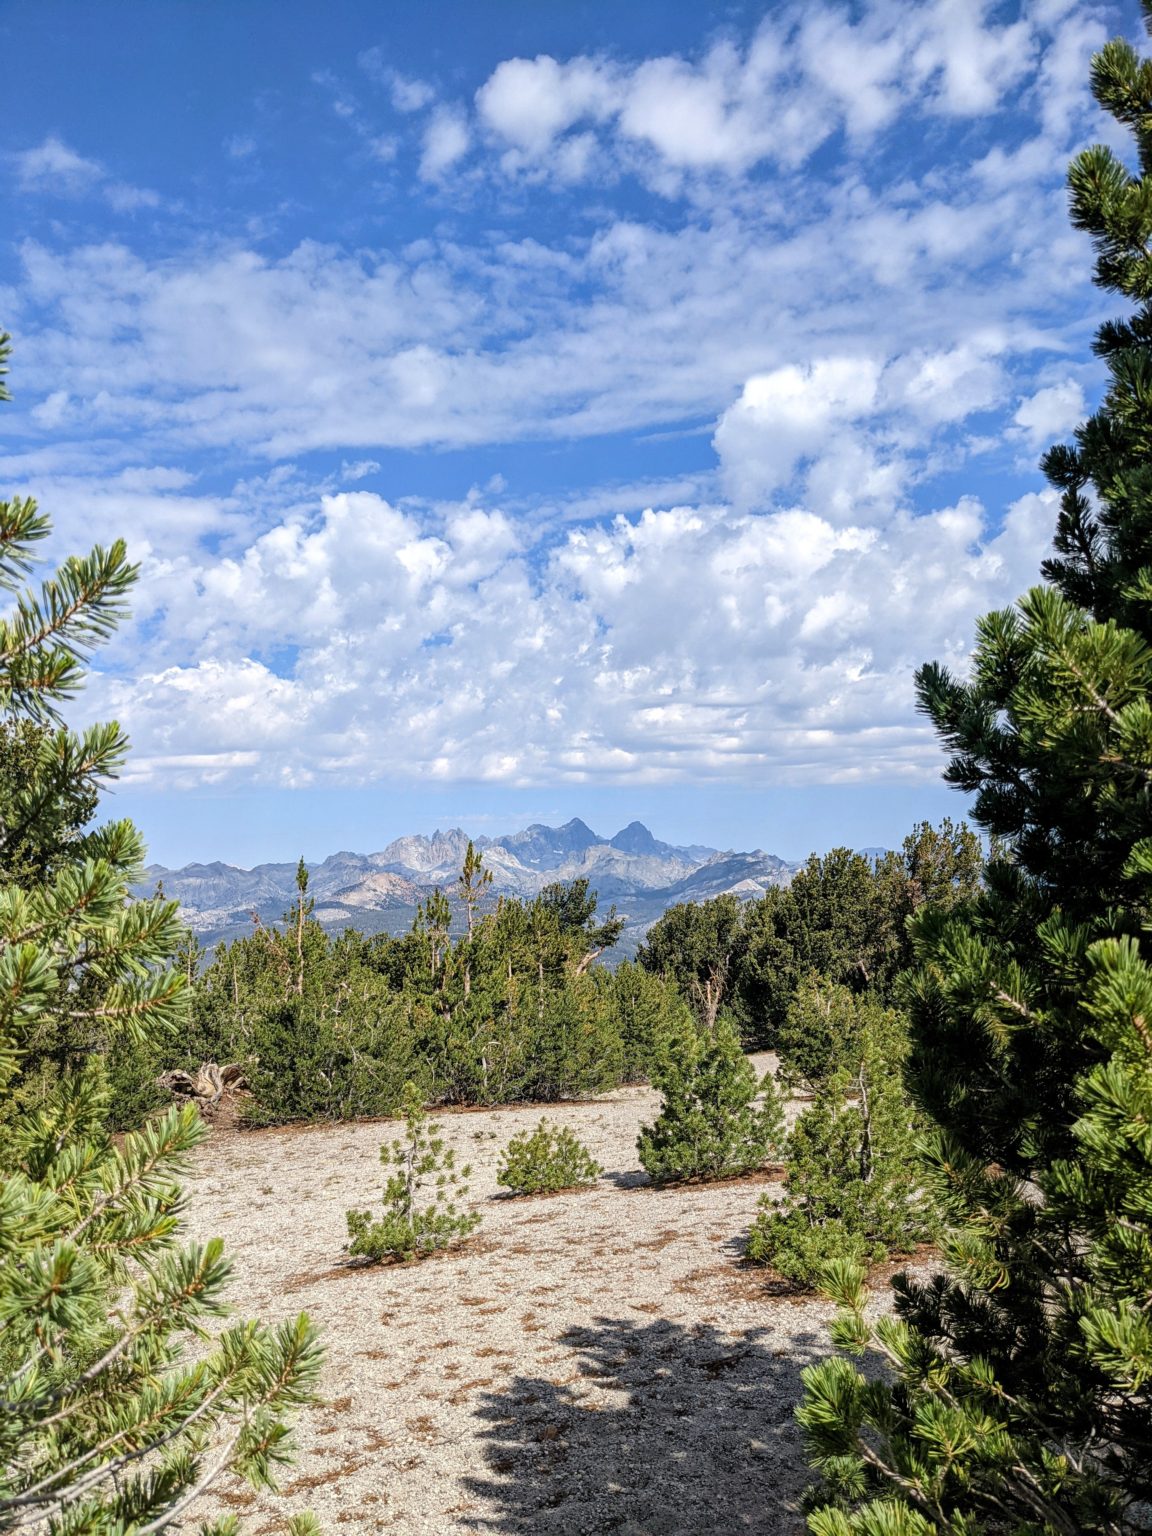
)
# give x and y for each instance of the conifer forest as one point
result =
(828, 1208)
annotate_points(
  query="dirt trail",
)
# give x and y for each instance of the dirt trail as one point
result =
(590, 1362)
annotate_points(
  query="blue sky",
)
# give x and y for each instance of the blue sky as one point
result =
(524, 411)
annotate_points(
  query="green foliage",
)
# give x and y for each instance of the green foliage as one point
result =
(844, 918)
(710, 1125)
(1018, 1381)
(112, 1421)
(654, 1023)
(313, 1064)
(855, 1183)
(545, 1160)
(420, 1210)
(944, 866)
(48, 795)
(330, 1028)
(119, 1405)
(575, 907)
(697, 945)
(840, 918)
(826, 1030)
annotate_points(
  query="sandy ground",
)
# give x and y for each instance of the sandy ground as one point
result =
(587, 1362)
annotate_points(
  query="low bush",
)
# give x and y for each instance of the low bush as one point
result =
(548, 1159)
(711, 1126)
(421, 1213)
(801, 1251)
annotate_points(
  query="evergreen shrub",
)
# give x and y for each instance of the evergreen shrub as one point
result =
(710, 1125)
(1012, 1391)
(855, 1186)
(120, 1400)
(546, 1160)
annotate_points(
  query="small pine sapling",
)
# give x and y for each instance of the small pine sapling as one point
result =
(546, 1160)
(711, 1125)
(855, 1185)
(421, 1213)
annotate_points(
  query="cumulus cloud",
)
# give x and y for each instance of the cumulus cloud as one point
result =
(804, 74)
(1050, 413)
(446, 140)
(790, 414)
(844, 329)
(527, 102)
(846, 421)
(677, 644)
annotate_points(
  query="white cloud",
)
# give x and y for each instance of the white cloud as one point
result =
(53, 167)
(789, 414)
(685, 643)
(359, 469)
(1051, 413)
(127, 199)
(446, 140)
(56, 169)
(52, 411)
(528, 102)
(970, 60)
(835, 322)
(408, 93)
(804, 74)
(950, 385)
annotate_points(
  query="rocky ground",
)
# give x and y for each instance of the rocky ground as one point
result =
(588, 1362)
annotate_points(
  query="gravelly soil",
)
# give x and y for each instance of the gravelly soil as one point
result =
(588, 1362)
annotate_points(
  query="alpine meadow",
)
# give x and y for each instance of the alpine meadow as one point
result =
(481, 417)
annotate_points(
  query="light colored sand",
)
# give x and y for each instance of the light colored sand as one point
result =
(590, 1362)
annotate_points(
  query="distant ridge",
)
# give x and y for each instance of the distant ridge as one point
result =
(378, 892)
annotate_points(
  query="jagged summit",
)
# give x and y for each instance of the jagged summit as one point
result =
(636, 838)
(540, 847)
(376, 891)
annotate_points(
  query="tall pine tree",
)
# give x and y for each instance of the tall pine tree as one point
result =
(1021, 1387)
(118, 1407)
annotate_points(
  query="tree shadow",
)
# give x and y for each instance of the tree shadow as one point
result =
(628, 1178)
(659, 1430)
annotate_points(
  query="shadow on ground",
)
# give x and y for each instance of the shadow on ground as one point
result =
(629, 1178)
(695, 1436)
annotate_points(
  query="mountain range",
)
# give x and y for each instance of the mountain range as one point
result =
(378, 892)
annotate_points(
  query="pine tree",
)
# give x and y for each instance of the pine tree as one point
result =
(654, 1023)
(115, 1411)
(473, 882)
(545, 1161)
(710, 1124)
(1022, 1399)
(854, 1185)
(697, 945)
(420, 1214)
(826, 1030)
(840, 918)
